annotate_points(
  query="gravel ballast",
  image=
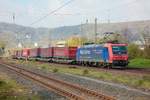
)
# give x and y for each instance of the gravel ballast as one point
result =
(120, 91)
(32, 86)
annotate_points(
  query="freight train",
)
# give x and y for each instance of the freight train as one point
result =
(101, 55)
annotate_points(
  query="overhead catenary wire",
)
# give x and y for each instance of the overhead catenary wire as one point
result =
(52, 12)
(68, 2)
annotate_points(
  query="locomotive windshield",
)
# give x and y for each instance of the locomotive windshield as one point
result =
(119, 49)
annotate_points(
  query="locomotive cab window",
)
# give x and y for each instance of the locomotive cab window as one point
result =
(119, 49)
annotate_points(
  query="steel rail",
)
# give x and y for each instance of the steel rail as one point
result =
(38, 78)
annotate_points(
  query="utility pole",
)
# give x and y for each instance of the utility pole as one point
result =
(81, 29)
(108, 15)
(50, 38)
(81, 33)
(86, 28)
(95, 29)
(13, 17)
(86, 21)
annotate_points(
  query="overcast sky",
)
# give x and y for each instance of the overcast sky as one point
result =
(28, 11)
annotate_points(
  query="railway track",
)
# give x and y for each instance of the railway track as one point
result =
(113, 70)
(136, 71)
(66, 89)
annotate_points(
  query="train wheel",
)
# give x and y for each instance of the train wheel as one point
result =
(111, 66)
(101, 65)
(91, 64)
(50, 61)
(97, 64)
(82, 63)
(104, 65)
(78, 63)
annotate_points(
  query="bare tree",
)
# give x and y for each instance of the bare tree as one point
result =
(146, 41)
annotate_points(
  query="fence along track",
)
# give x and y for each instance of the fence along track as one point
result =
(69, 90)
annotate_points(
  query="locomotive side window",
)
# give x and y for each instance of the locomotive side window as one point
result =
(119, 49)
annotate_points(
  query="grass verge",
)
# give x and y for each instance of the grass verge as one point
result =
(139, 63)
(10, 90)
(132, 80)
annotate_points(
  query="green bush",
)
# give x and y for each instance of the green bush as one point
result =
(134, 51)
(147, 52)
(44, 67)
(140, 82)
(2, 82)
(85, 72)
(146, 78)
(55, 70)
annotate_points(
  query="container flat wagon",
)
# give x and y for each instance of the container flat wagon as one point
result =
(66, 54)
(34, 53)
(46, 52)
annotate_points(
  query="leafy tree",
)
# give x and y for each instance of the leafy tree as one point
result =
(147, 52)
(2, 47)
(134, 51)
(146, 41)
(76, 41)
(113, 37)
(2, 44)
